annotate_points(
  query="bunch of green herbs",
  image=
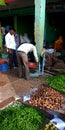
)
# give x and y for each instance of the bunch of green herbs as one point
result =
(21, 117)
(57, 82)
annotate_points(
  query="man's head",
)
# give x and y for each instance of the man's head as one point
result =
(11, 30)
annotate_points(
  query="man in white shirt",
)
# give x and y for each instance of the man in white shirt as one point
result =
(11, 48)
(22, 56)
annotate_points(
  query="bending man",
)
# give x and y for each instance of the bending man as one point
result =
(22, 56)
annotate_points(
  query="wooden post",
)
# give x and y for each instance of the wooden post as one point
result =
(39, 24)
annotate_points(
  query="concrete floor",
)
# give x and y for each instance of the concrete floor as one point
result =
(12, 86)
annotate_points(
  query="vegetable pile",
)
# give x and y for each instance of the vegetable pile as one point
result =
(21, 118)
(57, 82)
(46, 98)
(50, 126)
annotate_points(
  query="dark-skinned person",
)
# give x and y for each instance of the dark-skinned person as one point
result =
(11, 48)
(22, 57)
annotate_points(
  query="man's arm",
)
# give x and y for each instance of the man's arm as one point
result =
(7, 41)
(7, 45)
(35, 53)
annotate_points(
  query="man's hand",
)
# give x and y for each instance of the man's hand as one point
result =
(9, 51)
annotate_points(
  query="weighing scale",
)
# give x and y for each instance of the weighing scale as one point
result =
(39, 70)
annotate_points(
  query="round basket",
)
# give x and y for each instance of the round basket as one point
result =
(32, 65)
(2, 61)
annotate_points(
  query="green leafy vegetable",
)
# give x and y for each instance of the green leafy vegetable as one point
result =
(57, 82)
(21, 118)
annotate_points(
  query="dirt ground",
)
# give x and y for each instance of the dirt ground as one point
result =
(12, 87)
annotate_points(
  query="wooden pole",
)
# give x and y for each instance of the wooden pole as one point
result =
(40, 6)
